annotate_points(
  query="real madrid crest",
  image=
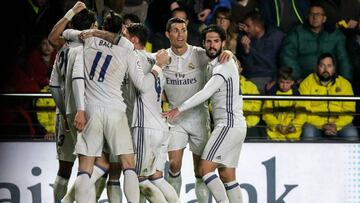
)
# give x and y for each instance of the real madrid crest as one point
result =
(191, 65)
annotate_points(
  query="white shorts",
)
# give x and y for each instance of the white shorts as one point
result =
(151, 150)
(224, 146)
(104, 123)
(197, 139)
(65, 139)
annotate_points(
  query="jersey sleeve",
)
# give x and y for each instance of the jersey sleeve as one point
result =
(209, 89)
(78, 83)
(71, 34)
(222, 70)
(140, 80)
(55, 78)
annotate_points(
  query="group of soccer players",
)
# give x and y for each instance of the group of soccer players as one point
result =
(109, 91)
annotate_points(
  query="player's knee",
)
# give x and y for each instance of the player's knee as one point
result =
(175, 165)
(202, 171)
(226, 176)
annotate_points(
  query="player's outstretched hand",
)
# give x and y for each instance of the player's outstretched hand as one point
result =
(172, 114)
(80, 120)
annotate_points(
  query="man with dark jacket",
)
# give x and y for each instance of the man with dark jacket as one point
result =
(307, 42)
(258, 50)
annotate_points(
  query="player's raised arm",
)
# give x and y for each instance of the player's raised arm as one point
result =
(54, 36)
(136, 73)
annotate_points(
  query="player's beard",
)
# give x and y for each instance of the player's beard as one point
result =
(213, 55)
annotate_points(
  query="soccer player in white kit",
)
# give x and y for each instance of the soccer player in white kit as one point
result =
(105, 68)
(68, 56)
(186, 75)
(223, 148)
(150, 130)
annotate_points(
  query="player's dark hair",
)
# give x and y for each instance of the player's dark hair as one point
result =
(132, 17)
(173, 21)
(214, 28)
(83, 20)
(113, 22)
(140, 31)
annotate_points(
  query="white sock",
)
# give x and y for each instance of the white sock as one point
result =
(202, 191)
(233, 191)
(175, 181)
(216, 187)
(95, 176)
(60, 188)
(151, 192)
(82, 187)
(100, 186)
(131, 186)
(70, 195)
(167, 190)
(114, 192)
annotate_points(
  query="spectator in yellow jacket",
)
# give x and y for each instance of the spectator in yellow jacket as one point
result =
(329, 119)
(251, 108)
(284, 118)
(46, 114)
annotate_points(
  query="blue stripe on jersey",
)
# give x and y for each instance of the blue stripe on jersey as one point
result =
(220, 75)
(78, 78)
(209, 179)
(139, 150)
(95, 63)
(140, 109)
(217, 143)
(229, 106)
(104, 68)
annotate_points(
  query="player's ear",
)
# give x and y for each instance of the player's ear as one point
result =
(167, 34)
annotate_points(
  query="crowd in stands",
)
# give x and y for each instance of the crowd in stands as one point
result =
(284, 47)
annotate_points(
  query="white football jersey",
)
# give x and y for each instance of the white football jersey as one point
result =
(68, 57)
(227, 102)
(105, 67)
(185, 76)
(147, 107)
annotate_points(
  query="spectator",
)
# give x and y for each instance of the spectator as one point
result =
(307, 42)
(328, 119)
(345, 14)
(207, 14)
(258, 50)
(224, 20)
(240, 8)
(284, 14)
(284, 118)
(251, 108)
(39, 63)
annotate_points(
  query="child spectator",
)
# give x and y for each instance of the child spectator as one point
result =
(283, 118)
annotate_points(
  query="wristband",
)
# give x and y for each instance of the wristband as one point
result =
(157, 68)
(69, 15)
